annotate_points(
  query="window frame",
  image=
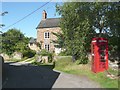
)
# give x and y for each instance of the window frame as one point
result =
(47, 47)
(46, 35)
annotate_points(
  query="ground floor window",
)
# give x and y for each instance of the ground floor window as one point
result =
(47, 47)
(31, 44)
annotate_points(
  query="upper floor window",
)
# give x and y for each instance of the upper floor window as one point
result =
(46, 35)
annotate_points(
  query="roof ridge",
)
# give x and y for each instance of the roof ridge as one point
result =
(52, 18)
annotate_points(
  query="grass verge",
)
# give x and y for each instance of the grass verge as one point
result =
(45, 65)
(23, 59)
(66, 65)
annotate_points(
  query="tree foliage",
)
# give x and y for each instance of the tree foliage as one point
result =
(59, 43)
(13, 40)
(81, 20)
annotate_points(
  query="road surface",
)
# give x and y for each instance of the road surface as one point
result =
(24, 75)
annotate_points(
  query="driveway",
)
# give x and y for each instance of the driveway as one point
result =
(27, 76)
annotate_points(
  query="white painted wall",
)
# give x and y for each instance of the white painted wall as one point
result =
(57, 50)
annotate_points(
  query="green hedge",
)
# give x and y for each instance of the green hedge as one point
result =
(46, 53)
(29, 53)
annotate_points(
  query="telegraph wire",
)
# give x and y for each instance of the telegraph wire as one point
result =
(26, 16)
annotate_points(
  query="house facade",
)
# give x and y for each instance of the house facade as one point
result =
(45, 30)
(33, 44)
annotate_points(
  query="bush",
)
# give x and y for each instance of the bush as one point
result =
(29, 53)
(64, 53)
(83, 60)
(46, 53)
(62, 63)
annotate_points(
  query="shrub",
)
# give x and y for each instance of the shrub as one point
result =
(46, 53)
(29, 53)
(64, 53)
(83, 60)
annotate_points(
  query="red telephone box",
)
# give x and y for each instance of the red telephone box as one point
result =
(99, 51)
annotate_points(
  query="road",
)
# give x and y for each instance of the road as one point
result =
(19, 75)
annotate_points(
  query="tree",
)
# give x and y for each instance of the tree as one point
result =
(59, 43)
(80, 21)
(76, 29)
(113, 18)
(110, 15)
(13, 40)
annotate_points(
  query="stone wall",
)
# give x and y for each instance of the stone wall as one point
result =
(5, 56)
(45, 59)
(42, 59)
(17, 55)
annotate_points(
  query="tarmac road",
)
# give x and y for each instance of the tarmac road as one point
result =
(19, 75)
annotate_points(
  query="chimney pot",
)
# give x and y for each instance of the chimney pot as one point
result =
(44, 14)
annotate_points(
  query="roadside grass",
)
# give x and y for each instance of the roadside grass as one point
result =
(23, 59)
(17, 60)
(45, 65)
(30, 59)
(66, 65)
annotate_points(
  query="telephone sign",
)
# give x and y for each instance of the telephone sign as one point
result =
(99, 52)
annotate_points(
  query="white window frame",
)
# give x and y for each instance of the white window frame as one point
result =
(46, 35)
(47, 46)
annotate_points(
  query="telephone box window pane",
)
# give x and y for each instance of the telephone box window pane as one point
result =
(102, 56)
(102, 53)
(102, 60)
(102, 47)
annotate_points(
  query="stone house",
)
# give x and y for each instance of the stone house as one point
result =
(33, 45)
(44, 32)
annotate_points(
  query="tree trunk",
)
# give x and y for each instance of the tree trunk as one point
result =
(100, 34)
(73, 58)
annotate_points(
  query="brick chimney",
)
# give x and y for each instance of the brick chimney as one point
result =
(44, 14)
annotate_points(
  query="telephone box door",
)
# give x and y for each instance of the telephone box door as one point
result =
(103, 55)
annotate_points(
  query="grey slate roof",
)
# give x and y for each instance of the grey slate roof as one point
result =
(49, 23)
(32, 40)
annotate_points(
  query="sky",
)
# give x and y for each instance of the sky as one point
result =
(18, 10)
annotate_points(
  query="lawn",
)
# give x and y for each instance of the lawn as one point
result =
(66, 65)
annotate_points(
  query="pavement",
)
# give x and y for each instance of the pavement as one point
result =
(25, 75)
(73, 81)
